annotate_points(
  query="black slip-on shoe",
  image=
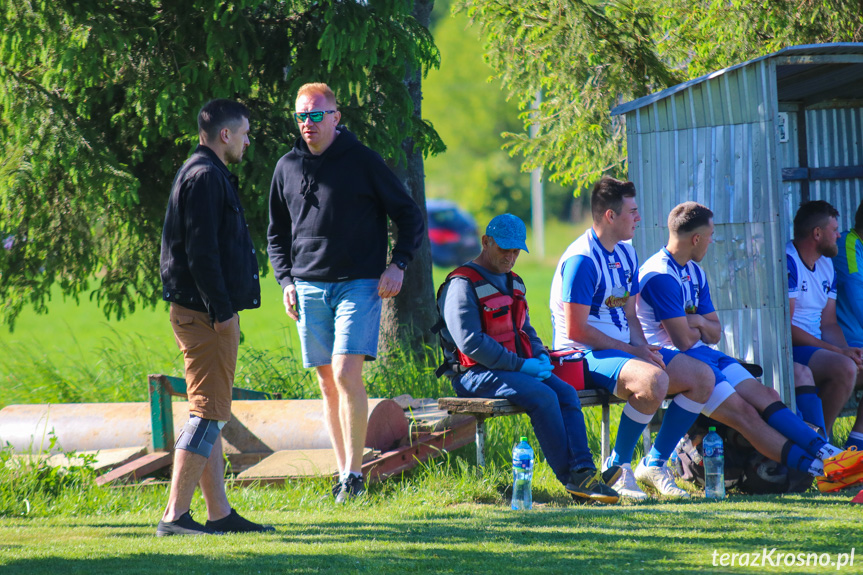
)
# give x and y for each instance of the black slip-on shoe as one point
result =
(236, 523)
(185, 525)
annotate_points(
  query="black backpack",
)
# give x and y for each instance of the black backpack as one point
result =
(745, 468)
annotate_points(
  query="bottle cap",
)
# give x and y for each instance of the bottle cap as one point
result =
(524, 438)
(711, 428)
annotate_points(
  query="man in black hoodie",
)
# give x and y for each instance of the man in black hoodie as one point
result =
(329, 201)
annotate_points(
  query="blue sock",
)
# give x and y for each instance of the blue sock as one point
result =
(855, 439)
(783, 420)
(793, 456)
(810, 407)
(679, 417)
(632, 424)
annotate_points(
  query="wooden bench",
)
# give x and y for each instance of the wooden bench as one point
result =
(482, 409)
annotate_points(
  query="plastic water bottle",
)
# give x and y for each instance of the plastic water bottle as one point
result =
(714, 465)
(522, 474)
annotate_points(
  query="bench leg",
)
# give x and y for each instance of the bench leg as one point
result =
(480, 443)
(646, 440)
(606, 432)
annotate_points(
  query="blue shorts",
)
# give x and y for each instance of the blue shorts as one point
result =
(803, 353)
(724, 366)
(605, 365)
(338, 318)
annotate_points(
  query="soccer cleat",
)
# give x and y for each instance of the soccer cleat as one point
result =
(826, 485)
(660, 478)
(845, 464)
(587, 485)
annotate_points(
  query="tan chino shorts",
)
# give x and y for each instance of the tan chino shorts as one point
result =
(210, 358)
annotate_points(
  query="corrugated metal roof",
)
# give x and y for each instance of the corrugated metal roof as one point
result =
(855, 48)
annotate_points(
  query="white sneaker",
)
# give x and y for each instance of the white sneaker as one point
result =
(660, 478)
(625, 484)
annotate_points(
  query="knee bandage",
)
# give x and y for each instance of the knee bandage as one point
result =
(199, 435)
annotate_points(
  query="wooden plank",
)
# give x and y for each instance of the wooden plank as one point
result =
(494, 407)
(299, 463)
(104, 459)
(138, 468)
(392, 462)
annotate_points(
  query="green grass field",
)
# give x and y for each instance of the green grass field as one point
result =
(435, 521)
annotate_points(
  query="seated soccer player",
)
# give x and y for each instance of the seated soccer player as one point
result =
(593, 311)
(676, 311)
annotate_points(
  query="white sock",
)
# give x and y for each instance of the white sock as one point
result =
(817, 468)
(828, 451)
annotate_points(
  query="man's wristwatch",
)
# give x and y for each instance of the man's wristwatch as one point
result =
(400, 263)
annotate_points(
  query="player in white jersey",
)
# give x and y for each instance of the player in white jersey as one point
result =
(593, 310)
(676, 312)
(817, 338)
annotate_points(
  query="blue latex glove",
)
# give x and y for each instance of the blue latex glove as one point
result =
(545, 372)
(533, 366)
(539, 368)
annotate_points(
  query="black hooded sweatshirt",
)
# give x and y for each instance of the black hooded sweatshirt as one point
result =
(328, 214)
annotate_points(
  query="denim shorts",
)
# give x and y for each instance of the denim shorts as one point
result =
(338, 318)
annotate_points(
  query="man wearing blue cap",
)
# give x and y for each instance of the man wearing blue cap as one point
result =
(492, 351)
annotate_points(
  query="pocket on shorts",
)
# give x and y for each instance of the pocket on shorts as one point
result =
(183, 319)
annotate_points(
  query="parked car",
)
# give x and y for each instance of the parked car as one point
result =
(452, 233)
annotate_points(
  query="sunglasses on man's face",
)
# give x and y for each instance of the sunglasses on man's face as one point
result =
(316, 116)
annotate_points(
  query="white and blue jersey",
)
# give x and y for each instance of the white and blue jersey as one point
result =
(669, 290)
(849, 287)
(810, 289)
(588, 274)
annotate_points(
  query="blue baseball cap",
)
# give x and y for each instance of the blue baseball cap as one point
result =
(508, 232)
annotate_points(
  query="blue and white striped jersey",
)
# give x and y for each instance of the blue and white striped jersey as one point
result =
(669, 290)
(590, 275)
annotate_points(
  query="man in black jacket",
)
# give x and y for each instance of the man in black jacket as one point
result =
(329, 201)
(209, 273)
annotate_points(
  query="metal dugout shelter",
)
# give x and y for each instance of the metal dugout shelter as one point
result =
(751, 142)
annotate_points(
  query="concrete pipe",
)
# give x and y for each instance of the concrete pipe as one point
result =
(255, 426)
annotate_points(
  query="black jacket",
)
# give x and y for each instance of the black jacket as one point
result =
(208, 262)
(328, 214)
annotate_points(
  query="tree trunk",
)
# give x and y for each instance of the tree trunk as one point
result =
(406, 319)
